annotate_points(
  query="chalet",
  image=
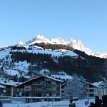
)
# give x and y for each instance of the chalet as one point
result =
(40, 88)
(101, 88)
(8, 90)
(96, 89)
(91, 90)
(7, 87)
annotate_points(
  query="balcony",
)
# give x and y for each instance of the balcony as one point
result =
(44, 89)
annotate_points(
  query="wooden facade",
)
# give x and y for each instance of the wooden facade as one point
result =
(40, 88)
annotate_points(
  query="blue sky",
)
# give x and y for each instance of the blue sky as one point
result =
(84, 20)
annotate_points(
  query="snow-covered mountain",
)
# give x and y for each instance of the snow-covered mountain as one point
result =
(21, 67)
(75, 44)
(55, 55)
(42, 39)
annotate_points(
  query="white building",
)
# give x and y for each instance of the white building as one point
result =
(101, 88)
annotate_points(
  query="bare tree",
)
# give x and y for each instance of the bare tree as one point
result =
(74, 87)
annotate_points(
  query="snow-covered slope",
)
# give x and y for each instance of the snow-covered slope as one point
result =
(10, 67)
(21, 67)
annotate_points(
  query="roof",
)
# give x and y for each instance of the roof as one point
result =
(1, 86)
(8, 82)
(28, 81)
(38, 76)
(97, 83)
(90, 83)
(53, 78)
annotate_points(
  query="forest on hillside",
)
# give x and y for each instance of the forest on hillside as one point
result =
(92, 68)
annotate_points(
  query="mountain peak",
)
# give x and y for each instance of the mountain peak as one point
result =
(75, 44)
(40, 37)
(20, 44)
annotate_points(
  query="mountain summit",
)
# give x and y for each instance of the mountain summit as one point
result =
(75, 44)
(42, 39)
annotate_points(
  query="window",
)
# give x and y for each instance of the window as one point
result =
(27, 88)
(91, 95)
(91, 90)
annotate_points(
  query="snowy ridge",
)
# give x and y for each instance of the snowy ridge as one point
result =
(75, 44)
(42, 39)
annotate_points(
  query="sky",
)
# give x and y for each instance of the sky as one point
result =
(84, 20)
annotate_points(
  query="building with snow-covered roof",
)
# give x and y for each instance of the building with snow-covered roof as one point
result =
(91, 90)
(96, 89)
(40, 88)
(102, 88)
(7, 87)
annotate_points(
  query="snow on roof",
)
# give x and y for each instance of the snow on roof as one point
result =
(62, 76)
(90, 83)
(97, 83)
(28, 80)
(8, 82)
(55, 79)
(1, 86)
(38, 76)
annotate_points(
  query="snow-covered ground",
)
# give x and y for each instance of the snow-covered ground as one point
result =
(79, 103)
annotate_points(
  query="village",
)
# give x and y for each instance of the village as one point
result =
(45, 88)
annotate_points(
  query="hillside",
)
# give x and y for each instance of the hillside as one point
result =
(25, 60)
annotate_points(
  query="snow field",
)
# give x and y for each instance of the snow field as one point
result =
(79, 103)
